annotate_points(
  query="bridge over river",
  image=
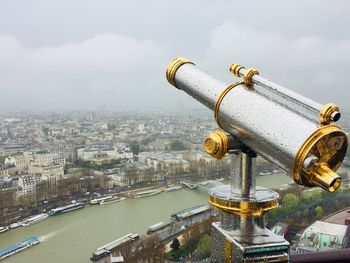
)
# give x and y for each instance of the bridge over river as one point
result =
(205, 184)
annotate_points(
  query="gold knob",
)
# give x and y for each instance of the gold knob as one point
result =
(216, 144)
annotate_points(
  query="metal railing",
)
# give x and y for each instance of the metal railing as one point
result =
(339, 256)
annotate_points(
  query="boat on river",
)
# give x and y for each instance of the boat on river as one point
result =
(190, 212)
(96, 201)
(27, 243)
(104, 251)
(66, 209)
(264, 173)
(15, 225)
(3, 229)
(172, 188)
(156, 227)
(113, 199)
(146, 193)
(34, 219)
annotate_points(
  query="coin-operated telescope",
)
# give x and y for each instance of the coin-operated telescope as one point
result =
(257, 116)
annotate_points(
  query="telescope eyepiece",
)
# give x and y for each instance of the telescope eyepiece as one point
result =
(324, 177)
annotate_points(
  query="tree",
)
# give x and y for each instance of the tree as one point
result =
(204, 246)
(319, 212)
(25, 201)
(175, 245)
(2, 159)
(310, 197)
(7, 198)
(177, 146)
(135, 147)
(46, 130)
(194, 235)
(290, 201)
(111, 126)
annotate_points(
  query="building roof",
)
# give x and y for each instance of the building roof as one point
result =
(339, 217)
(323, 235)
(328, 228)
(5, 185)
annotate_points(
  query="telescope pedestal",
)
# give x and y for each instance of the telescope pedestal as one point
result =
(230, 246)
(241, 236)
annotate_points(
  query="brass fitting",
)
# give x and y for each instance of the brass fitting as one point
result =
(220, 99)
(248, 75)
(324, 177)
(328, 113)
(217, 144)
(328, 144)
(173, 67)
(243, 207)
(235, 68)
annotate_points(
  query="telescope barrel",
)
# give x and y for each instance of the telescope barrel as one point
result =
(281, 135)
(288, 98)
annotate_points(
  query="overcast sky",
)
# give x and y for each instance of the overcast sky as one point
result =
(85, 54)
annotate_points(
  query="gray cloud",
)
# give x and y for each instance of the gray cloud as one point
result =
(84, 54)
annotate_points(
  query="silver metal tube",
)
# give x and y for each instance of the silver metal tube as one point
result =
(243, 178)
(248, 176)
(288, 98)
(247, 226)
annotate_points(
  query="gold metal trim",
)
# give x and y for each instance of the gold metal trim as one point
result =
(243, 208)
(240, 130)
(216, 144)
(227, 251)
(248, 75)
(235, 68)
(318, 144)
(220, 98)
(326, 113)
(173, 67)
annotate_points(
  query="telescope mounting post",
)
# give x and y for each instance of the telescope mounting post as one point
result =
(241, 236)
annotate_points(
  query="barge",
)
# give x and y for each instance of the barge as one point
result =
(66, 209)
(27, 243)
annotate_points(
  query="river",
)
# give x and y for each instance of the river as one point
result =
(73, 237)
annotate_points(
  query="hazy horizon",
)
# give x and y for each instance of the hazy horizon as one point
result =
(90, 55)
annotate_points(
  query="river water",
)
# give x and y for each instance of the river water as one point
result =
(72, 237)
